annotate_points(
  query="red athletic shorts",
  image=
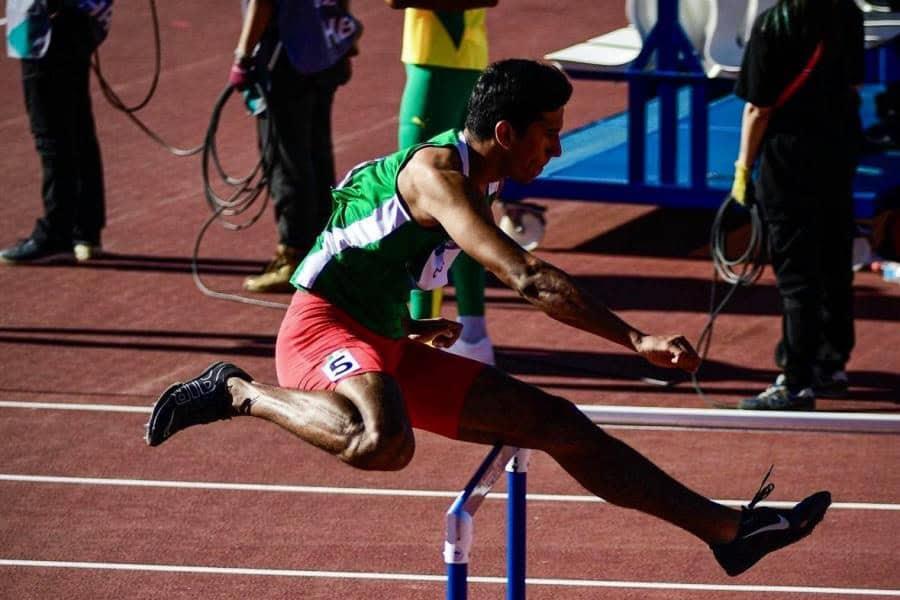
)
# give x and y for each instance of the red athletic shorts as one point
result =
(319, 345)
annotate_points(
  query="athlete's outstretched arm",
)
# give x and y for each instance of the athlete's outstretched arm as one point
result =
(439, 191)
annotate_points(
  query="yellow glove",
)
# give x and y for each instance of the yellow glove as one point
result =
(739, 187)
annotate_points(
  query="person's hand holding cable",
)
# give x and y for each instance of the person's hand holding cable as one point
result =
(241, 76)
(257, 16)
(742, 186)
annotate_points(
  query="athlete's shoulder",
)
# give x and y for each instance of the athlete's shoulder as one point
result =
(450, 137)
(437, 157)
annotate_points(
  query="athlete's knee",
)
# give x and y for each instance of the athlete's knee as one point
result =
(384, 447)
(384, 442)
(381, 451)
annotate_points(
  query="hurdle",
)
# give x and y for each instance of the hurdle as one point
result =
(460, 516)
(458, 541)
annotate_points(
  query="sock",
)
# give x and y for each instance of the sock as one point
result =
(474, 328)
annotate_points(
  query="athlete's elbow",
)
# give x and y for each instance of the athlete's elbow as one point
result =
(522, 277)
(521, 284)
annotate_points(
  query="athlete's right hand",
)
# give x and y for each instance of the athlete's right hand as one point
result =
(440, 333)
(669, 351)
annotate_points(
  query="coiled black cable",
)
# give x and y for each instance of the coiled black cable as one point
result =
(246, 190)
(129, 111)
(741, 271)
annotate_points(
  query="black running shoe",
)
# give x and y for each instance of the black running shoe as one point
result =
(763, 530)
(203, 399)
(778, 397)
(30, 250)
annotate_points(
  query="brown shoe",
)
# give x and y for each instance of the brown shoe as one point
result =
(276, 277)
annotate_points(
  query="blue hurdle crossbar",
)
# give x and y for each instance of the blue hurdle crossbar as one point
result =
(458, 541)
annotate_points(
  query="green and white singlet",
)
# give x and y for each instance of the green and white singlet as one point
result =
(372, 253)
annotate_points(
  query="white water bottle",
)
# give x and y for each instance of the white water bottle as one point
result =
(890, 271)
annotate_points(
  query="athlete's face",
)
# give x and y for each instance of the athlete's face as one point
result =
(531, 151)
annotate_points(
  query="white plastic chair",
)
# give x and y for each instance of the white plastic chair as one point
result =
(725, 37)
(692, 14)
(610, 50)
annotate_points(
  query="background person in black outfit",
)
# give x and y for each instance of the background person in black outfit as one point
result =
(58, 101)
(302, 50)
(808, 147)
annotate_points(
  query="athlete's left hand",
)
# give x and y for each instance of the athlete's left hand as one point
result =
(669, 351)
(440, 333)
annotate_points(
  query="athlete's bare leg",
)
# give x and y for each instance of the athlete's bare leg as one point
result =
(502, 409)
(363, 422)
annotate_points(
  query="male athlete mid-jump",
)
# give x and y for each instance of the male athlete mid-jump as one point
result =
(356, 375)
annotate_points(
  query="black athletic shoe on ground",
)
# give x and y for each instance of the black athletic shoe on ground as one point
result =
(203, 399)
(764, 530)
(778, 397)
(31, 249)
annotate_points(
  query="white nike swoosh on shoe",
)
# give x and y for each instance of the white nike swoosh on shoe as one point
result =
(781, 524)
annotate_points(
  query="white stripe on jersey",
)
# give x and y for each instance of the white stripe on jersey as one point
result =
(384, 220)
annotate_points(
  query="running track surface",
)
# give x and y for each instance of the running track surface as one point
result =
(243, 510)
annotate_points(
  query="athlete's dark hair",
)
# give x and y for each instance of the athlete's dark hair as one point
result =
(515, 90)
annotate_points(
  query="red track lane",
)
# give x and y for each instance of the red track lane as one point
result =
(303, 531)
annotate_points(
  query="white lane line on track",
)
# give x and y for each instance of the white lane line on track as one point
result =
(361, 491)
(74, 406)
(597, 583)
(631, 417)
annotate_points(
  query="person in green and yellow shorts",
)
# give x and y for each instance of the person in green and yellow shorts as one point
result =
(444, 52)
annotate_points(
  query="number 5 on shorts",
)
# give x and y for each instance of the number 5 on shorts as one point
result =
(339, 363)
